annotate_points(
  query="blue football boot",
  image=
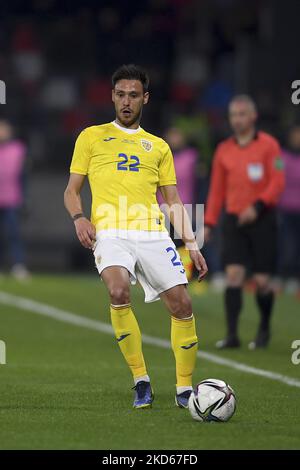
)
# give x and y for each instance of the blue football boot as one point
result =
(144, 395)
(182, 399)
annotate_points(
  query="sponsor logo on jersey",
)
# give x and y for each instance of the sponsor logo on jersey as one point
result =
(109, 138)
(128, 141)
(147, 145)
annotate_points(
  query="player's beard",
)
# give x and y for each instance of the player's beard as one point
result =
(135, 118)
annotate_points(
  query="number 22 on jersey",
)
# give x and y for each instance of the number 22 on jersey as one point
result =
(133, 165)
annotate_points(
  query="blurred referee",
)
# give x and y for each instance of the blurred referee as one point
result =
(247, 178)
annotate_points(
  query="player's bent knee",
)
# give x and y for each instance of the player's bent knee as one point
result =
(119, 295)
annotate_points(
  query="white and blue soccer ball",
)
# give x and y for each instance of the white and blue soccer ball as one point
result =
(212, 400)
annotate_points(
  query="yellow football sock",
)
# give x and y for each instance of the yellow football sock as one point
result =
(184, 344)
(129, 338)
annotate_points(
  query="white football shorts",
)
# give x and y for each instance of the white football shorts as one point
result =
(149, 257)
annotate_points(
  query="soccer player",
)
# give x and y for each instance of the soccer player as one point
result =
(125, 165)
(247, 177)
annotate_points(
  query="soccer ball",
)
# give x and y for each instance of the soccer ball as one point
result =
(212, 400)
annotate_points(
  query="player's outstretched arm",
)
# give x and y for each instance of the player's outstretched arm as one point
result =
(182, 224)
(85, 230)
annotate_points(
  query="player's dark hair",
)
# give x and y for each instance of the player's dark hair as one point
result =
(131, 72)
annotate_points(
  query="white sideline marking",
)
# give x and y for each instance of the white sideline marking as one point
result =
(78, 320)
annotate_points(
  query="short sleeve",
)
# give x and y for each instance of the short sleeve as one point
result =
(166, 169)
(274, 158)
(81, 155)
(274, 149)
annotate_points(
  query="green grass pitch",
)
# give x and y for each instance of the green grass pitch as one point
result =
(67, 387)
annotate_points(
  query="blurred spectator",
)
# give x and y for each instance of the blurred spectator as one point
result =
(12, 159)
(26, 52)
(56, 61)
(60, 93)
(191, 67)
(289, 249)
(185, 160)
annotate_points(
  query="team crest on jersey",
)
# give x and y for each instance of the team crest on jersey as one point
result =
(147, 145)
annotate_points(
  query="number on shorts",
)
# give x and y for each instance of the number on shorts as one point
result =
(174, 259)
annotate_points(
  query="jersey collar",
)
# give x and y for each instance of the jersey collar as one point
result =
(124, 129)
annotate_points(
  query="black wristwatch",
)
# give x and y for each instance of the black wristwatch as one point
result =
(77, 216)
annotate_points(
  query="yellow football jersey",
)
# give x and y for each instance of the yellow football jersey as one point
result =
(124, 170)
